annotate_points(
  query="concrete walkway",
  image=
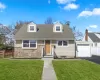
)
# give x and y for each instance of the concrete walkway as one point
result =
(48, 71)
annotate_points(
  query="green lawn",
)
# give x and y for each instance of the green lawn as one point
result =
(21, 69)
(76, 70)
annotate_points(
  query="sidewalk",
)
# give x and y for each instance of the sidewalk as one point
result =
(48, 71)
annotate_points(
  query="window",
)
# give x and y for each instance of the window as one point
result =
(32, 43)
(29, 43)
(62, 43)
(92, 45)
(31, 28)
(57, 28)
(95, 44)
(26, 43)
(59, 43)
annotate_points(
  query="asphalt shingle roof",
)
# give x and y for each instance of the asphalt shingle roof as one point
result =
(44, 32)
(93, 37)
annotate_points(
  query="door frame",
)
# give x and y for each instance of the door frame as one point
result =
(50, 47)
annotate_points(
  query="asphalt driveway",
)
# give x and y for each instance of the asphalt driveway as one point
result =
(95, 59)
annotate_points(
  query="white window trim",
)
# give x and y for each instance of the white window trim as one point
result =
(62, 44)
(31, 30)
(29, 45)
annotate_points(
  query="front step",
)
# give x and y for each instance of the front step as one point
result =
(48, 57)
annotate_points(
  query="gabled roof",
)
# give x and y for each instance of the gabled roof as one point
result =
(45, 32)
(93, 37)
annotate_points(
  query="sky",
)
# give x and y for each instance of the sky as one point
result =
(84, 14)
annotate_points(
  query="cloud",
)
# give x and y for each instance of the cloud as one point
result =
(68, 4)
(86, 13)
(2, 6)
(92, 26)
(71, 6)
(49, 1)
(89, 31)
(64, 1)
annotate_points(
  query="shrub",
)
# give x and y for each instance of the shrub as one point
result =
(6, 47)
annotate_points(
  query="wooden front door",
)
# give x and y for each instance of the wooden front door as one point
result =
(47, 47)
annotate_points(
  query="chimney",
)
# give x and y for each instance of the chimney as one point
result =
(86, 35)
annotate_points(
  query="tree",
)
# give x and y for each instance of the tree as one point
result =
(77, 34)
(68, 23)
(49, 20)
(2, 38)
(6, 34)
(20, 23)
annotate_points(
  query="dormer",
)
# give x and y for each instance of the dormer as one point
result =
(58, 27)
(31, 27)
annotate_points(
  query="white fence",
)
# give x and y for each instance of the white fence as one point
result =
(95, 51)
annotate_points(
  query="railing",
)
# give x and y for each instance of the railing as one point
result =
(54, 53)
(43, 52)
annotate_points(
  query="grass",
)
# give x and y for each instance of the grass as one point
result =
(21, 69)
(76, 70)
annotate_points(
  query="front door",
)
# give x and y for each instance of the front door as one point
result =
(47, 47)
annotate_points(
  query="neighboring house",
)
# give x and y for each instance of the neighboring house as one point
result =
(93, 37)
(44, 40)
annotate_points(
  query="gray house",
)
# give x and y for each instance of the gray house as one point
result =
(44, 40)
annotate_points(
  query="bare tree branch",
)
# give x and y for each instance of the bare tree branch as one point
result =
(49, 20)
(77, 34)
(20, 23)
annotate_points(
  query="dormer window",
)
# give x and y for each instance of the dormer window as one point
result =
(32, 27)
(57, 28)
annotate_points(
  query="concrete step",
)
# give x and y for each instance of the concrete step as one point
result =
(48, 57)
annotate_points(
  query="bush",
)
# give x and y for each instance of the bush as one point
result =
(9, 48)
(2, 46)
(6, 47)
